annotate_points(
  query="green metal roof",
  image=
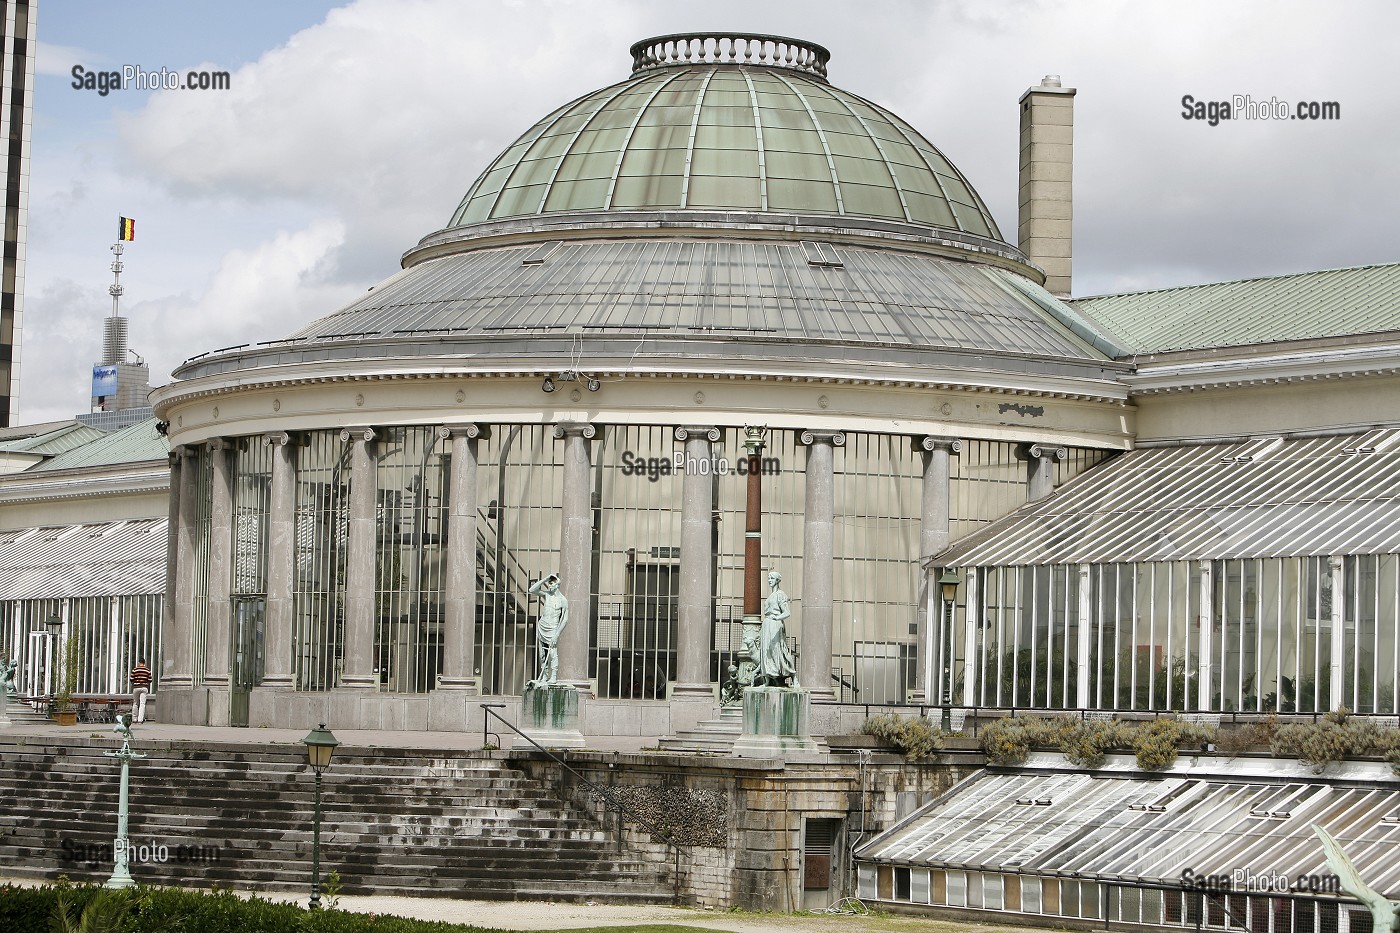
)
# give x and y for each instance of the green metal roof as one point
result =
(1330, 303)
(57, 441)
(713, 135)
(134, 444)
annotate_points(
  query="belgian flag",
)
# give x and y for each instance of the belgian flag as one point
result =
(126, 228)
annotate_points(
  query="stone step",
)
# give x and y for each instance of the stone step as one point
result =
(425, 823)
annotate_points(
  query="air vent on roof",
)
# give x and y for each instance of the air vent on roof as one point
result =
(1033, 802)
(1148, 807)
(822, 254)
(539, 254)
(1271, 814)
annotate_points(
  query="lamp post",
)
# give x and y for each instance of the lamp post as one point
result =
(121, 846)
(320, 745)
(948, 583)
(55, 624)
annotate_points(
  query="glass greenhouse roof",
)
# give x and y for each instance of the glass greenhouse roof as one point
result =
(1265, 497)
(97, 559)
(1109, 826)
(774, 290)
(727, 136)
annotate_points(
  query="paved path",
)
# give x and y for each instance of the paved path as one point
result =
(536, 915)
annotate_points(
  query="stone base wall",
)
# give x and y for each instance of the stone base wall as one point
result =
(741, 823)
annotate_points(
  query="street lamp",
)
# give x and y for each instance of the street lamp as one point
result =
(320, 745)
(55, 625)
(948, 583)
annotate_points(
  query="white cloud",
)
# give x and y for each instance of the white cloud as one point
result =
(50, 59)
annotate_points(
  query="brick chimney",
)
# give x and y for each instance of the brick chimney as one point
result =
(1047, 164)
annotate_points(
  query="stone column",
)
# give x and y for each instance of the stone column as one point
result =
(818, 562)
(1040, 468)
(934, 518)
(576, 551)
(172, 563)
(696, 609)
(281, 558)
(459, 597)
(360, 557)
(221, 531)
(177, 670)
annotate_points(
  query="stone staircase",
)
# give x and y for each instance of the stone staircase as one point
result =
(395, 822)
(710, 736)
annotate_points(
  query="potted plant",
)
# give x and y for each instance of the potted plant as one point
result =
(64, 712)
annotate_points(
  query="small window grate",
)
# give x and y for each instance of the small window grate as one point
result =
(817, 846)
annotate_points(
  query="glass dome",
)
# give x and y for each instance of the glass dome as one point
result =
(727, 122)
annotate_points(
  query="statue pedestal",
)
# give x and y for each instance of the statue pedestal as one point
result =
(549, 715)
(776, 724)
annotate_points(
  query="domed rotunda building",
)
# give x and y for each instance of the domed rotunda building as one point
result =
(562, 380)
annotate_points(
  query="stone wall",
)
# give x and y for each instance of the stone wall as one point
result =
(739, 824)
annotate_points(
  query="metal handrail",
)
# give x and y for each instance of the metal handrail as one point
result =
(489, 710)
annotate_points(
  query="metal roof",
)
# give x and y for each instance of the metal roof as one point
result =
(123, 558)
(134, 444)
(708, 287)
(1266, 497)
(708, 132)
(1330, 303)
(1104, 825)
(55, 441)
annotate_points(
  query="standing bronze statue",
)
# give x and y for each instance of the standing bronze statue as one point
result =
(554, 615)
(773, 659)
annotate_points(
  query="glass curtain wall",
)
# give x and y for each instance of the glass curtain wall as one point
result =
(1263, 640)
(318, 588)
(252, 495)
(879, 492)
(636, 572)
(520, 496)
(411, 558)
(112, 633)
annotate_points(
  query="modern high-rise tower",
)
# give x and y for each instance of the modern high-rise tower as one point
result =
(17, 20)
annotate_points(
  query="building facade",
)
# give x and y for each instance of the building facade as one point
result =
(560, 380)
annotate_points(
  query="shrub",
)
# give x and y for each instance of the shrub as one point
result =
(916, 738)
(1009, 741)
(1156, 743)
(1086, 742)
(141, 909)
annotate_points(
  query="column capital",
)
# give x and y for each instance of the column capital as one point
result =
(1041, 451)
(575, 429)
(810, 436)
(363, 435)
(277, 439)
(184, 450)
(932, 442)
(470, 430)
(221, 443)
(699, 432)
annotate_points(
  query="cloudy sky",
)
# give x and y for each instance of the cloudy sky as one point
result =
(352, 129)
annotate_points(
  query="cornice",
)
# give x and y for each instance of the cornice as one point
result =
(295, 375)
(1260, 370)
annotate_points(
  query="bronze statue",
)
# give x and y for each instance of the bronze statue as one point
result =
(554, 616)
(1384, 914)
(772, 655)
